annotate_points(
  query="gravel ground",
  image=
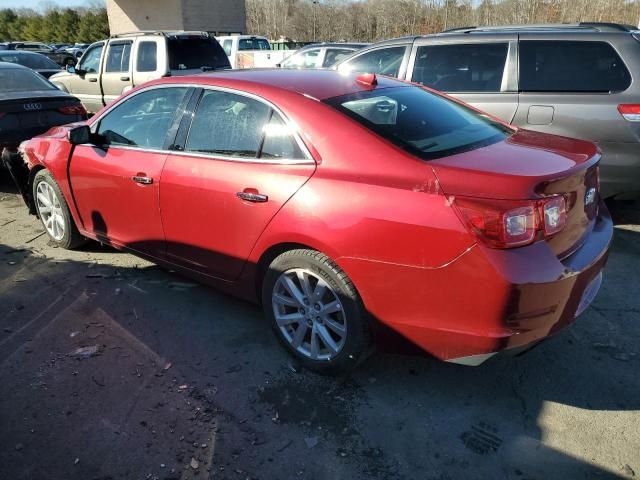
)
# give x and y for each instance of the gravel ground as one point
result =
(112, 368)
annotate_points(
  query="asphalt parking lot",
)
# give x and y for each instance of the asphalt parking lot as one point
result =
(113, 368)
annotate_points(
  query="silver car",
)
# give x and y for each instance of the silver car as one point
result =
(573, 80)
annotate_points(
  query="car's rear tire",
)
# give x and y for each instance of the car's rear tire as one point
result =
(53, 212)
(316, 311)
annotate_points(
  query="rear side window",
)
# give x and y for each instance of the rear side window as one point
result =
(186, 53)
(118, 57)
(234, 125)
(571, 66)
(423, 123)
(147, 60)
(385, 61)
(461, 68)
(334, 55)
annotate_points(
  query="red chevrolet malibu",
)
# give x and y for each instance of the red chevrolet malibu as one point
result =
(339, 202)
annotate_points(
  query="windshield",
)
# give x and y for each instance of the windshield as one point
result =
(186, 53)
(423, 123)
(22, 80)
(37, 62)
(253, 44)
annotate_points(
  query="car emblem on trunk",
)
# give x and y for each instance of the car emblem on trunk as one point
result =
(32, 106)
(590, 196)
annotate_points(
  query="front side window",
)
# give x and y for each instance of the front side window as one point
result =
(233, 125)
(118, 57)
(384, 61)
(334, 55)
(142, 120)
(476, 67)
(147, 60)
(90, 62)
(420, 122)
(571, 66)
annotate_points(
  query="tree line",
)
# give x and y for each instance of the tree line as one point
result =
(371, 20)
(82, 25)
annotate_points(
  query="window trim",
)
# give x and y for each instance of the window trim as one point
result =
(187, 115)
(510, 74)
(574, 93)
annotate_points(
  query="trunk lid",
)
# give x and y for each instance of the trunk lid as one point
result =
(531, 166)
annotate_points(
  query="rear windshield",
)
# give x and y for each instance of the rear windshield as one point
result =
(425, 124)
(253, 44)
(188, 53)
(22, 80)
(37, 62)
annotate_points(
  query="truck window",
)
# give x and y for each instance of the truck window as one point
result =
(571, 66)
(186, 53)
(118, 57)
(90, 61)
(227, 45)
(253, 44)
(462, 67)
(147, 60)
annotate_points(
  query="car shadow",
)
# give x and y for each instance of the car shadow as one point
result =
(187, 382)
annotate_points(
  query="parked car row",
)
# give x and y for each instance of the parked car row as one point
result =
(61, 57)
(344, 199)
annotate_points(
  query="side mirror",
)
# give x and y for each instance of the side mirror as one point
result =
(80, 135)
(70, 69)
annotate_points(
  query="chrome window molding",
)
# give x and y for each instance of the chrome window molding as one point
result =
(308, 160)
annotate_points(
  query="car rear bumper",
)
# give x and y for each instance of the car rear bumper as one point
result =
(487, 300)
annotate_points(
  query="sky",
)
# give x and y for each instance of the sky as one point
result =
(41, 5)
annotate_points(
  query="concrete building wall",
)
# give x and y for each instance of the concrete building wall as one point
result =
(218, 16)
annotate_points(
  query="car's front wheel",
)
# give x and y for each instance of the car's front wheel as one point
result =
(53, 212)
(315, 311)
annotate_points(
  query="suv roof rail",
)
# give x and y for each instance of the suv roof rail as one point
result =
(165, 33)
(592, 26)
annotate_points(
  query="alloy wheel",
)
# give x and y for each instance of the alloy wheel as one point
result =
(50, 210)
(309, 314)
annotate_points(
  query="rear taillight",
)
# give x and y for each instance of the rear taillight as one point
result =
(511, 223)
(73, 110)
(630, 111)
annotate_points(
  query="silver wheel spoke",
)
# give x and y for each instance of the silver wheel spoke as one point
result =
(335, 326)
(315, 348)
(284, 320)
(319, 291)
(332, 307)
(293, 290)
(45, 210)
(303, 278)
(326, 338)
(298, 337)
(284, 300)
(44, 200)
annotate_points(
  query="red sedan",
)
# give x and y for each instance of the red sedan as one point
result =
(339, 202)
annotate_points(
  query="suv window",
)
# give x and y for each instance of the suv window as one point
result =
(477, 67)
(334, 55)
(118, 57)
(571, 66)
(143, 119)
(147, 60)
(228, 124)
(90, 62)
(423, 123)
(385, 61)
(193, 52)
(306, 59)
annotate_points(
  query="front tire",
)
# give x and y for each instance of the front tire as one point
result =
(53, 212)
(315, 311)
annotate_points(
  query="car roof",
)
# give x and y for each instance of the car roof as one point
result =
(24, 53)
(8, 65)
(316, 84)
(334, 44)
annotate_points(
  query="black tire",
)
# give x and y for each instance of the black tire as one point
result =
(72, 238)
(357, 340)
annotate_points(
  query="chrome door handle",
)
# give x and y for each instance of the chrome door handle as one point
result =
(252, 197)
(142, 180)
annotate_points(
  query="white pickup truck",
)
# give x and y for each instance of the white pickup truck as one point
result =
(250, 51)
